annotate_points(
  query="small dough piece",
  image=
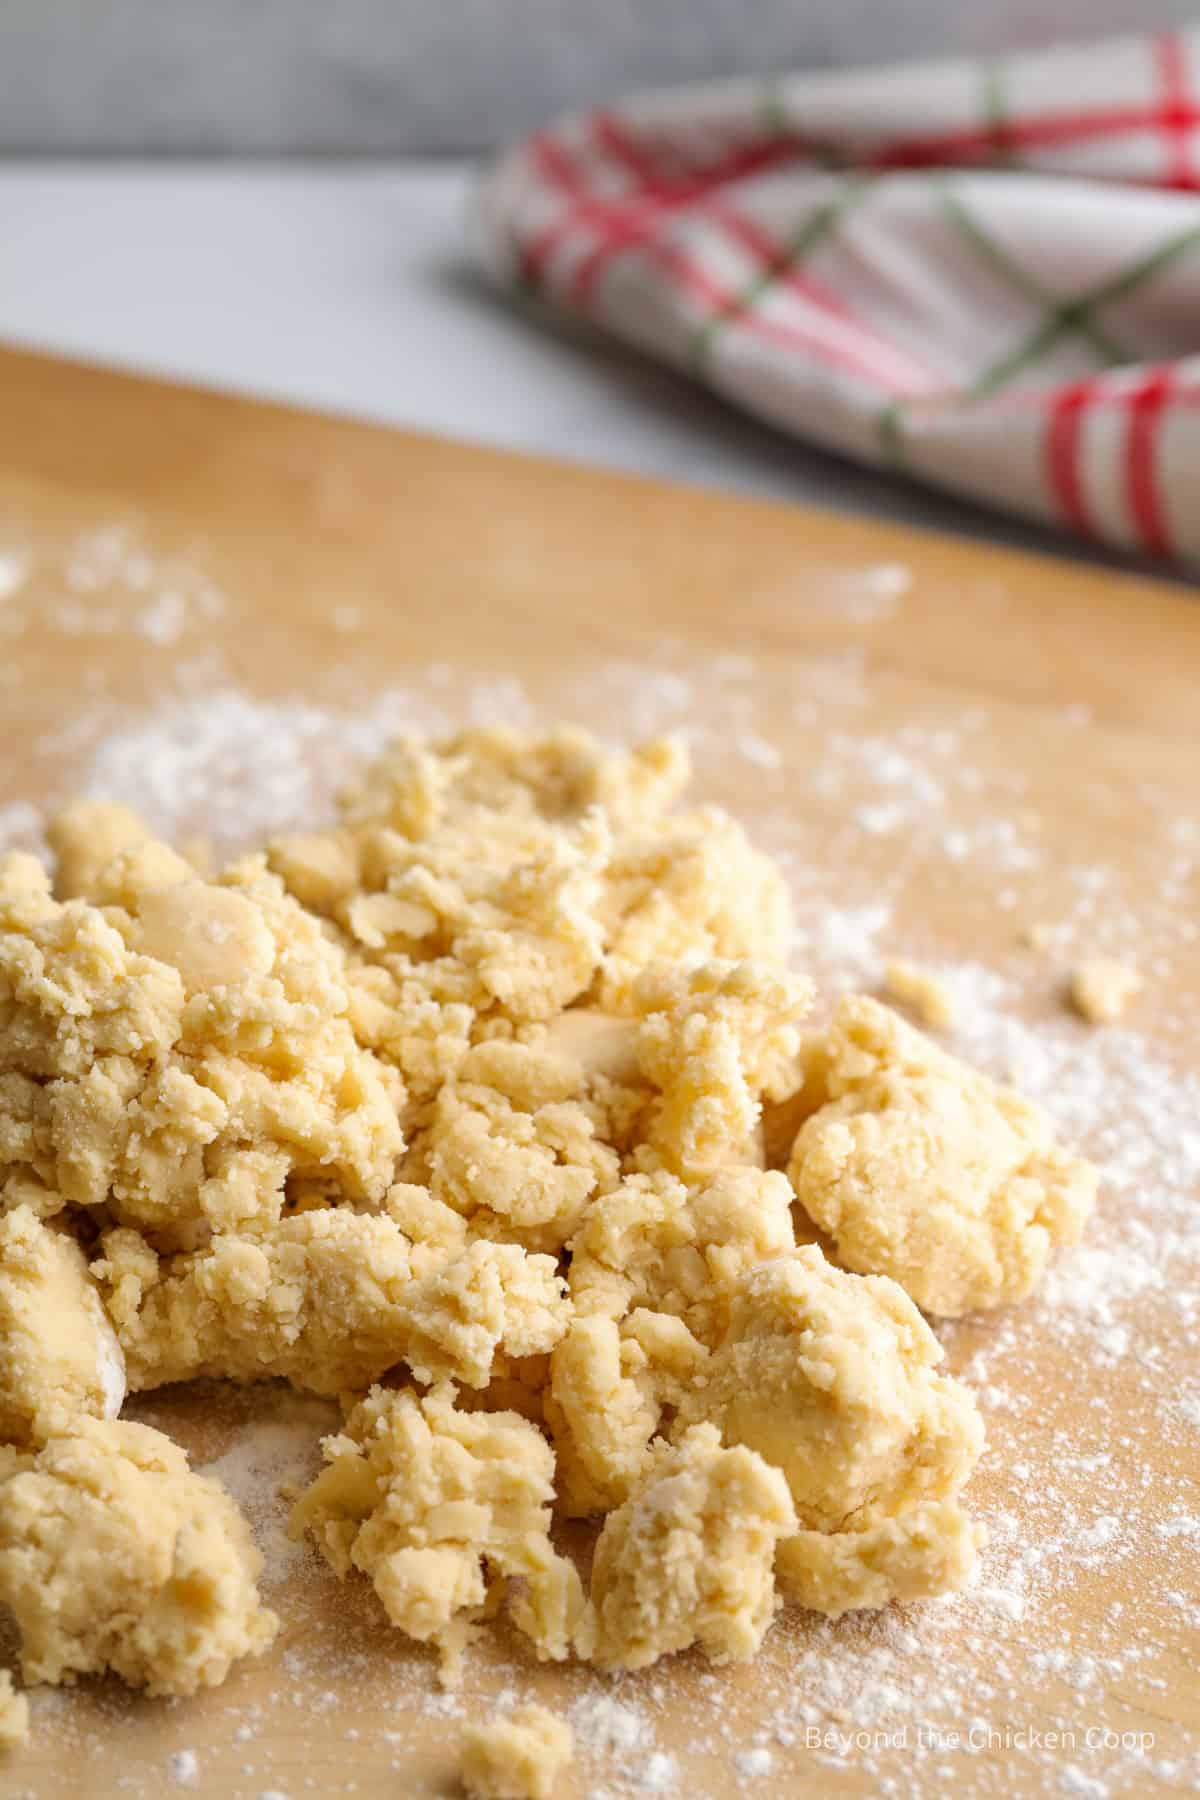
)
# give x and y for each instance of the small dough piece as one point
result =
(715, 1039)
(931, 1549)
(491, 771)
(688, 1558)
(603, 1409)
(609, 1386)
(513, 1148)
(654, 1243)
(927, 998)
(493, 1297)
(115, 1556)
(517, 1755)
(14, 1714)
(72, 993)
(920, 1168)
(85, 837)
(1101, 988)
(176, 1042)
(691, 888)
(833, 1379)
(58, 1349)
(437, 1506)
(476, 873)
(331, 1299)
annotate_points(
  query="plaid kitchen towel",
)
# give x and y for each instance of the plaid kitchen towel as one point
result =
(986, 275)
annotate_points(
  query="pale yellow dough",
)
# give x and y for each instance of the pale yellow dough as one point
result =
(688, 1558)
(925, 996)
(920, 1168)
(716, 1039)
(516, 1756)
(460, 1110)
(181, 1051)
(331, 1299)
(658, 1244)
(931, 1549)
(438, 1506)
(115, 1557)
(1102, 988)
(832, 1378)
(14, 1714)
(653, 1275)
(609, 1383)
(513, 1145)
(58, 1350)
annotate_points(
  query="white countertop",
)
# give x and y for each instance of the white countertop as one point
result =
(348, 285)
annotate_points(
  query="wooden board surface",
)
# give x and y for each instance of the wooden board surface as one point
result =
(947, 745)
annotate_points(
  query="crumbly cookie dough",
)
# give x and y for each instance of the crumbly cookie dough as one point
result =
(692, 889)
(58, 1350)
(438, 1506)
(14, 1714)
(1101, 988)
(516, 1756)
(922, 1169)
(925, 996)
(609, 1384)
(930, 1549)
(832, 1378)
(115, 1557)
(467, 1110)
(688, 1558)
(331, 1299)
(715, 1040)
(174, 1034)
(658, 1244)
(514, 1146)
(653, 1274)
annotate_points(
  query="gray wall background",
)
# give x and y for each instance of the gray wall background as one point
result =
(360, 76)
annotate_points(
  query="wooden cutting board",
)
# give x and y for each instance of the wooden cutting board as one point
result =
(948, 745)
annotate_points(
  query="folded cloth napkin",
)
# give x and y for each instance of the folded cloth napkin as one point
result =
(985, 275)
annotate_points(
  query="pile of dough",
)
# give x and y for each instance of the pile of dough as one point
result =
(115, 1556)
(921, 1168)
(455, 1110)
(516, 1756)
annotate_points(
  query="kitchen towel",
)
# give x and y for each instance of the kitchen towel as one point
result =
(987, 276)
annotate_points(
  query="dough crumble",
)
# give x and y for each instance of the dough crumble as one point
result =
(14, 1714)
(466, 1113)
(1101, 988)
(516, 1756)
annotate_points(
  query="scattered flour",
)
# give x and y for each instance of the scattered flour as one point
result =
(608, 1727)
(185, 1767)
